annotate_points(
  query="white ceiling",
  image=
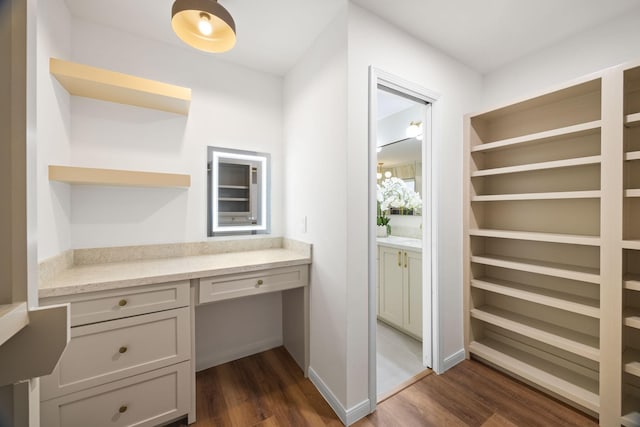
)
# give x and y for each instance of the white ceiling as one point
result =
(273, 34)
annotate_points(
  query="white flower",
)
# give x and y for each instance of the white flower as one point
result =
(393, 193)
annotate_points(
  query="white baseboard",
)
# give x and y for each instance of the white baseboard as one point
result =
(347, 416)
(454, 359)
(237, 353)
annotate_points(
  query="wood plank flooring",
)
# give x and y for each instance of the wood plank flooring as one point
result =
(268, 390)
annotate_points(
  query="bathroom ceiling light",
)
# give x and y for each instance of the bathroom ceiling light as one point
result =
(204, 25)
(414, 130)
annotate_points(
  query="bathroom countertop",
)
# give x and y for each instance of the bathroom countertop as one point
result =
(400, 242)
(116, 275)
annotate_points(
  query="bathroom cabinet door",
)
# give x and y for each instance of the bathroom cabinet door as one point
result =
(391, 297)
(412, 274)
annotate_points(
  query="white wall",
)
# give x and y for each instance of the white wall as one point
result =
(53, 129)
(609, 44)
(315, 117)
(231, 106)
(373, 41)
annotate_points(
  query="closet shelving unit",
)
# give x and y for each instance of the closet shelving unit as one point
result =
(106, 85)
(533, 240)
(631, 250)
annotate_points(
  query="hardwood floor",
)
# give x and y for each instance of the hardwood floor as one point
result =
(268, 389)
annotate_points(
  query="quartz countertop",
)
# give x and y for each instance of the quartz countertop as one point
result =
(116, 275)
(400, 242)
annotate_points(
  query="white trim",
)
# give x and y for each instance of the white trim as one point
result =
(358, 412)
(238, 352)
(452, 360)
(328, 395)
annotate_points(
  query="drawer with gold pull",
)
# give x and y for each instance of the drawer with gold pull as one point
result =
(94, 307)
(229, 286)
(144, 400)
(109, 351)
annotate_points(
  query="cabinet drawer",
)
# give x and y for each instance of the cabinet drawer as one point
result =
(109, 351)
(238, 285)
(148, 399)
(118, 303)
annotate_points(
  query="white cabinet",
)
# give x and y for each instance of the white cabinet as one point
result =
(128, 362)
(400, 289)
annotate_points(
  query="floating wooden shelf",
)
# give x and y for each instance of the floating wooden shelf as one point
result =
(550, 298)
(554, 335)
(632, 282)
(631, 416)
(540, 137)
(548, 375)
(555, 164)
(537, 237)
(632, 155)
(635, 192)
(631, 361)
(233, 199)
(631, 317)
(632, 120)
(565, 271)
(93, 176)
(592, 194)
(97, 83)
(13, 317)
(631, 244)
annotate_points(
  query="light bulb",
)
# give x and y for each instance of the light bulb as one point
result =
(204, 25)
(414, 130)
(378, 175)
(387, 174)
(378, 149)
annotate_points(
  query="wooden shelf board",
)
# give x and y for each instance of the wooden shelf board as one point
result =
(234, 187)
(630, 411)
(561, 381)
(233, 199)
(634, 192)
(632, 155)
(572, 272)
(94, 176)
(539, 137)
(631, 317)
(554, 335)
(568, 302)
(538, 237)
(632, 282)
(539, 166)
(631, 362)
(594, 194)
(105, 85)
(631, 244)
(13, 317)
(632, 120)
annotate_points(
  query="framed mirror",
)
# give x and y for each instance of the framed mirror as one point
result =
(238, 186)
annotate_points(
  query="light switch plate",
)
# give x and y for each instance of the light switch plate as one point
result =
(303, 224)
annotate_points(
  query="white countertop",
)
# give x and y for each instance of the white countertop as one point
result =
(97, 277)
(400, 242)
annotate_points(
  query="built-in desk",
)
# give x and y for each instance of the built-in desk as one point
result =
(131, 357)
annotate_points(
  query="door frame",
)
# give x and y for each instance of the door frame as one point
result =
(430, 284)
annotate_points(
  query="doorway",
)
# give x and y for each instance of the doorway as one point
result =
(402, 325)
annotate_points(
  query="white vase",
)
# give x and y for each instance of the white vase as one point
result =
(381, 231)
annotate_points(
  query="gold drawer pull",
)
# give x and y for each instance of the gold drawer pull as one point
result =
(122, 302)
(122, 350)
(123, 409)
(405, 260)
(259, 283)
(399, 259)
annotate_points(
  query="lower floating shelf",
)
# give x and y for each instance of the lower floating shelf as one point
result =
(559, 380)
(94, 176)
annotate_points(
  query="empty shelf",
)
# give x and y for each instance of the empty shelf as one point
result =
(234, 187)
(632, 282)
(233, 199)
(548, 333)
(632, 317)
(105, 85)
(564, 301)
(630, 407)
(593, 194)
(572, 272)
(550, 376)
(575, 130)
(632, 192)
(13, 317)
(539, 166)
(538, 237)
(631, 362)
(632, 155)
(93, 176)
(632, 120)
(631, 244)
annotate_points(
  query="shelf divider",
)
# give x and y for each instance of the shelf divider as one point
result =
(592, 194)
(105, 85)
(116, 177)
(573, 239)
(555, 164)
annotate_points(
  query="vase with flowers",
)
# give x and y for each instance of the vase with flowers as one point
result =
(394, 193)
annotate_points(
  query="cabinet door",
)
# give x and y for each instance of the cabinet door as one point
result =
(391, 294)
(412, 266)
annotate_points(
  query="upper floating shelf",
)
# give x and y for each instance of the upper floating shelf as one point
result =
(105, 85)
(93, 176)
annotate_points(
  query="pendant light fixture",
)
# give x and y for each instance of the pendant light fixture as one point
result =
(204, 25)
